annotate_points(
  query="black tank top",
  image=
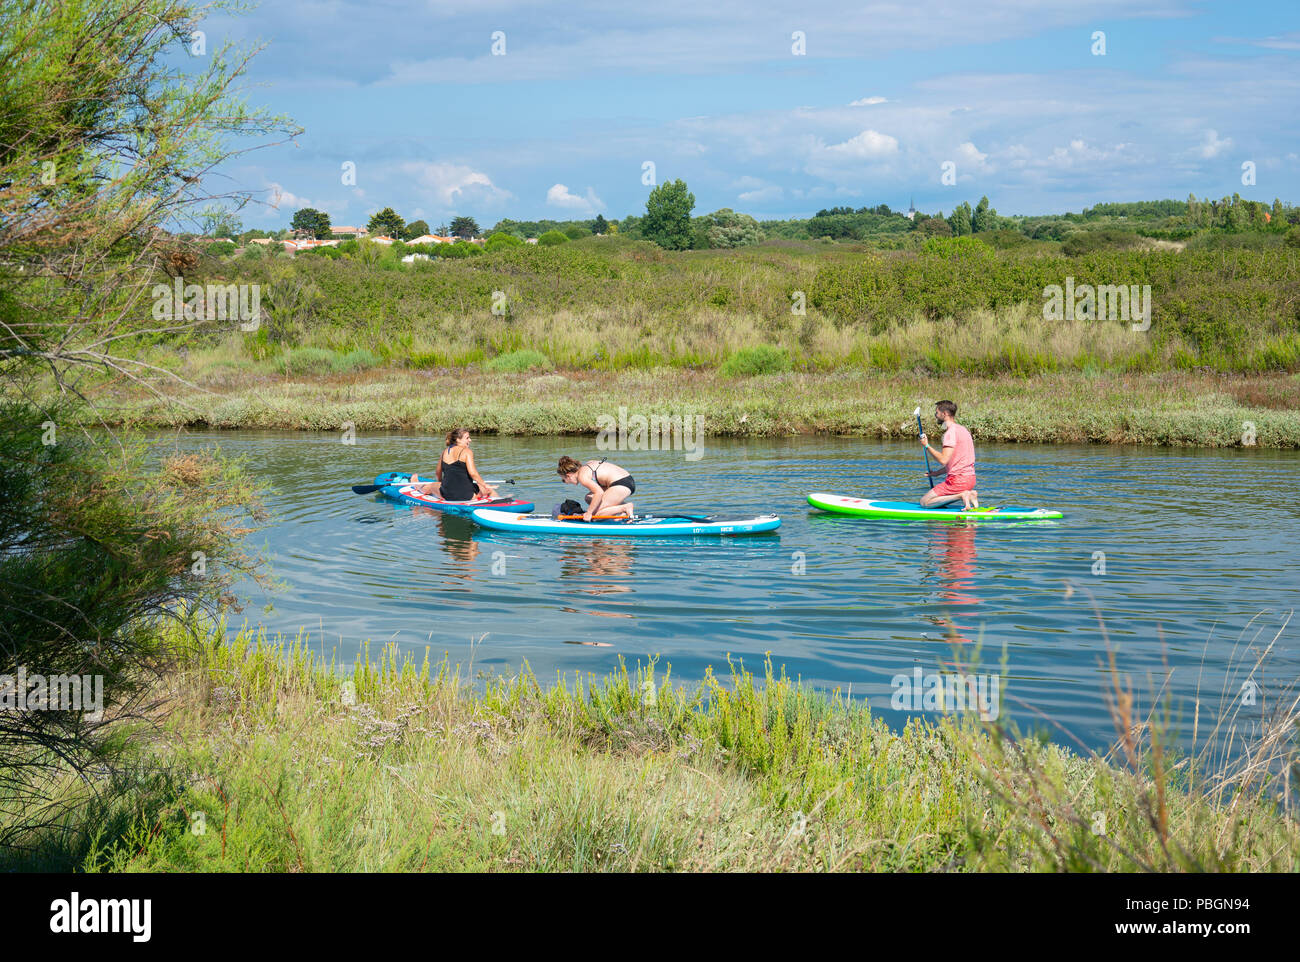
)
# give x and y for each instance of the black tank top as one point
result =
(456, 483)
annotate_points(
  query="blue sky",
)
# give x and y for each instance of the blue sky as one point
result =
(1007, 91)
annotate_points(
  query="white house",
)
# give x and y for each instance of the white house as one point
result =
(412, 258)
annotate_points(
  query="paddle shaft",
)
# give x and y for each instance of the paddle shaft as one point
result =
(666, 517)
(919, 431)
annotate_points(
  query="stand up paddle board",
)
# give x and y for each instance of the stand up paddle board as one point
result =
(616, 528)
(911, 511)
(396, 488)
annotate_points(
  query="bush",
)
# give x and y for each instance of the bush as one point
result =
(753, 361)
(1086, 242)
(501, 240)
(516, 362)
(551, 238)
(319, 360)
(1293, 237)
(221, 248)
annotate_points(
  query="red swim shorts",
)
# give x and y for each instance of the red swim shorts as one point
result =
(955, 485)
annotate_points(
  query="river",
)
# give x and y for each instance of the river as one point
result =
(1186, 558)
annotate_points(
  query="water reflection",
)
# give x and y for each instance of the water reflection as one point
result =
(952, 561)
(599, 567)
(458, 541)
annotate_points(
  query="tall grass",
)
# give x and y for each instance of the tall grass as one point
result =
(958, 307)
(274, 761)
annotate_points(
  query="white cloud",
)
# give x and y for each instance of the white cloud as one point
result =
(287, 199)
(453, 185)
(969, 155)
(1212, 146)
(560, 196)
(868, 145)
(762, 194)
(868, 101)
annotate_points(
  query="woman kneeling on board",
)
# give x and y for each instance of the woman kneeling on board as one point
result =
(458, 478)
(607, 483)
(956, 460)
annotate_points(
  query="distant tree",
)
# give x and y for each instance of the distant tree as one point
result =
(551, 238)
(316, 222)
(934, 226)
(726, 229)
(501, 240)
(599, 225)
(960, 220)
(574, 231)
(464, 227)
(667, 219)
(416, 228)
(986, 218)
(386, 223)
(630, 226)
(219, 222)
(612, 229)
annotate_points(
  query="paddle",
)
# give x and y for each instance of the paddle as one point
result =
(919, 431)
(624, 518)
(372, 488)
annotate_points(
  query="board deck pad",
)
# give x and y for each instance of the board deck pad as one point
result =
(397, 489)
(912, 511)
(644, 526)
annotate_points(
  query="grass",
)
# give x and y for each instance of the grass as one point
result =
(270, 760)
(1175, 408)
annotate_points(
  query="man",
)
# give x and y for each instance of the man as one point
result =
(956, 460)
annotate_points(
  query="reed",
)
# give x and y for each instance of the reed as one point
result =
(273, 759)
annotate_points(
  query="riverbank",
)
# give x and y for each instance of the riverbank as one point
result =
(1173, 408)
(266, 760)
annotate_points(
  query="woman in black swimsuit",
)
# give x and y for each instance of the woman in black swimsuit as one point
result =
(458, 479)
(608, 484)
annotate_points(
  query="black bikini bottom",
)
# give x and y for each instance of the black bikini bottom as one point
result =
(625, 482)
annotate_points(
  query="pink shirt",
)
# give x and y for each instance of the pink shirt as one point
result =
(961, 464)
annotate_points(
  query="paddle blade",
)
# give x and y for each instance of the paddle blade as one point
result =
(366, 488)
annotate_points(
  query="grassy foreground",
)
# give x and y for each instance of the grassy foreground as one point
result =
(269, 761)
(1173, 408)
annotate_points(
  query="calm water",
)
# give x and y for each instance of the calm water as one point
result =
(1200, 554)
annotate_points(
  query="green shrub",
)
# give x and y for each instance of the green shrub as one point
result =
(221, 248)
(517, 362)
(551, 238)
(501, 240)
(306, 360)
(1086, 242)
(358, 360)
(1293, 237)
(753, 361)
(319, 360)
